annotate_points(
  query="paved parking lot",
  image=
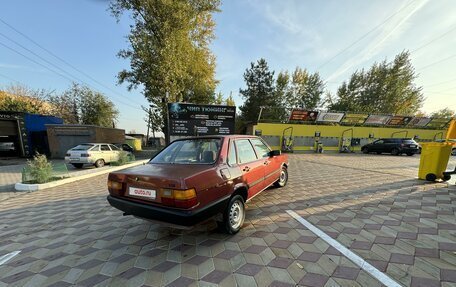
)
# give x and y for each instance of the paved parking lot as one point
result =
(371, 204)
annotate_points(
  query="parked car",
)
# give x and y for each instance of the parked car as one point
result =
(395, 146)
(195, 179)
(7, 147)
(125, 147)
(97, 154)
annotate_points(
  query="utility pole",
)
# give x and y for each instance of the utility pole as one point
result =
(148, 125)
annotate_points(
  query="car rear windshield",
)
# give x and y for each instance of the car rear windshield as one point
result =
(191, 151)
(82, 147)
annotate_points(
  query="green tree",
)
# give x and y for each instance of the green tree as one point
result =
(260, 92)
(387, 87)
(19, 98)
(219, 99)
(230, 101)
(444, 113)
(81, 105)
(169, 49)
(304, 90)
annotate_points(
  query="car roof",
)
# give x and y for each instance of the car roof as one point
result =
(219, 137)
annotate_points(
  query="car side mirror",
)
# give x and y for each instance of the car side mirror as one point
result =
(273, 153)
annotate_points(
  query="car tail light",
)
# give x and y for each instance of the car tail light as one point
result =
(85, 154)
(179, 198)
(114, 185)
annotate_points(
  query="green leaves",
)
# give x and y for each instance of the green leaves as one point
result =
(387, 87)
(169, 49)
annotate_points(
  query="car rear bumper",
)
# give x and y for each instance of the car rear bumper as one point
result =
(84, 160)
(173, 216)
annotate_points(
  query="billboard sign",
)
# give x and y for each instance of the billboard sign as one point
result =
(438, 123)
(377, 120)
(399, 121)
(194, 120)
(303, 115)
(354, 119)
(419, 121)
(330, 117)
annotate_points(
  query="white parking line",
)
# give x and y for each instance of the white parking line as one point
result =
(374, 272)
(6, 257)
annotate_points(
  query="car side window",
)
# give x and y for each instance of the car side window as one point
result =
(113, 147)
(95, 148)
(105, 147)
(245, 151)
(379, 142)
(260, 147)
(231, 159)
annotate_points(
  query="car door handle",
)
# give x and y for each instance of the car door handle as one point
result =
(266, 162)
(246, 168)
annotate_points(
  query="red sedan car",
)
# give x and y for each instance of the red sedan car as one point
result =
(195, 179)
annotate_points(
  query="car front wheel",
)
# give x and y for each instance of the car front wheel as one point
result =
(283, 178)
(234, 215)
(395, 151)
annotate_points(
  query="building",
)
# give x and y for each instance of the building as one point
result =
(64, 137)
(24, 134)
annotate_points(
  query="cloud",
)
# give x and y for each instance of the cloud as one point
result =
(392, 30)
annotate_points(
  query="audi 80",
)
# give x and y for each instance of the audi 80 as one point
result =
(195, 179)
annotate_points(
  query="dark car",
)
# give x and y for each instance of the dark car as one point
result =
(125, 147)
(195, 179)
(394, 146)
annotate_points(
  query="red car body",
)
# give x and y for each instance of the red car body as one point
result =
(186, 194)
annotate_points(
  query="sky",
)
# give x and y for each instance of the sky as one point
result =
(334, 38)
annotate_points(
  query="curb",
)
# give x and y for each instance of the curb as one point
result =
(34, 187)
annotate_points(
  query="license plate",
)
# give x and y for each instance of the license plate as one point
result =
(412, 145)
(74, 159)
(141, 192)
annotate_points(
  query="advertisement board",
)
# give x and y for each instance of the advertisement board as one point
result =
(419, 121)
(438, 123)
(377, 120)
(303, 115)
(354, 119)
(197, 120)
(330, 117)
(399, 121)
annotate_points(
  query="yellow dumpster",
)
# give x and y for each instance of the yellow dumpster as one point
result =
(434, 160)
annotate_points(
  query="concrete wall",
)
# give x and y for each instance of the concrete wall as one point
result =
(331, 136)
(63, 137)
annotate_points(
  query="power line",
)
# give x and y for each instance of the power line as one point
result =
(363, 36)
(55, 72)
(440, 83)
(62, 60)
(437, 62)
(435, 39)
(38, 63)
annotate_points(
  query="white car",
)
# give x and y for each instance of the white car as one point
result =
(97, 154)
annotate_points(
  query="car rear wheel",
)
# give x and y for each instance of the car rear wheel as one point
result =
(410, 153)
(77, 165)
(234, 215)
(395, 151)
(283, 178)
(100, 163)
(365, 150)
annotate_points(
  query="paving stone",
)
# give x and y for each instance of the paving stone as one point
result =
(424, 282)
(346, 272)
(314, 280)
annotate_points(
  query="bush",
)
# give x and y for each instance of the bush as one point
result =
(124, 157)
(39, 168)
